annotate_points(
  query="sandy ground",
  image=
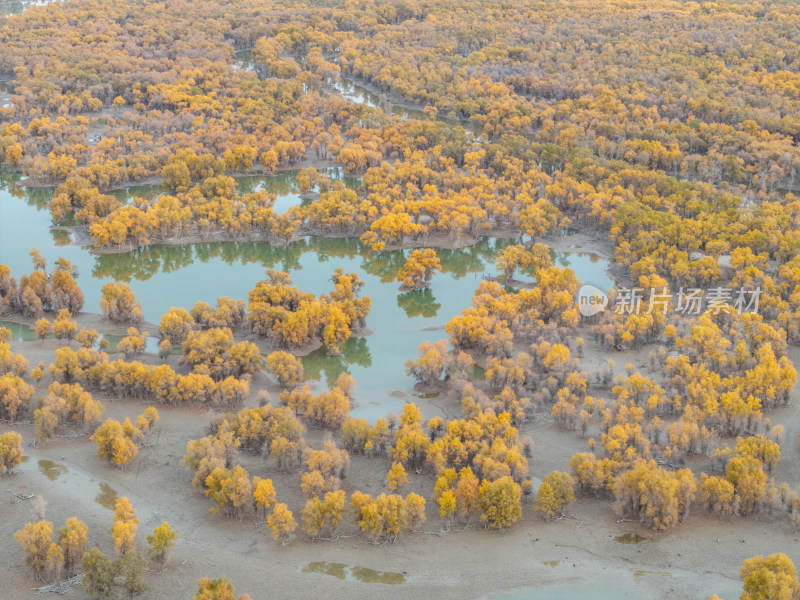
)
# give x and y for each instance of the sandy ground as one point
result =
(700, 557)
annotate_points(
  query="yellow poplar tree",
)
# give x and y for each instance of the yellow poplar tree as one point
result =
(281, 523)
(500, 502)
(397, 477)
(263, 494)
(126, 521)
(160, 541)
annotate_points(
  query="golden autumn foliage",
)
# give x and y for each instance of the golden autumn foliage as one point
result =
(65, 403)
(429, 367)
(63, 327)
(555, 492)
(217, 589)
(286, 368)
(42, 291)
(119, 442)
(773, 576)
(658, 498)
(213, 352)
(717, 495)
(263, 494)
(419, 269)
(281, 523)
(160, 541)
(327, 409)
(629, 141)
(326, 469)
(291, 318)
(512, 258)
(132, 379)
(322, 516)
(230, 490)
(500, 502)
(126, 522)
(118, 303)
(72, 539)
(15, 396)
(175, 325)
(43, 556)
(10, 451)
(43, 328)
(615, 118)
(749, 482)
(396, 477)
(387, 516)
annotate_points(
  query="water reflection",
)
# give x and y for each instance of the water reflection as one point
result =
(629, 538)
(243, 60)
(181, 275)
(354, 573)
(20, 332)
(144, 263)
(51, 470)
(107, 497)
(419, 303)
(355, 92)
(285, 182)
(61, 238)
(14, 8)
(318, 365)
(145, 192)
(474, 259)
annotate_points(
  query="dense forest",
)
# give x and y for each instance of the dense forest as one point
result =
(670, 130)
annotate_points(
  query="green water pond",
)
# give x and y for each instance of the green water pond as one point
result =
(167, 276)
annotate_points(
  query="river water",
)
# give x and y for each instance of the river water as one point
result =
(14, 8)
(167, 276)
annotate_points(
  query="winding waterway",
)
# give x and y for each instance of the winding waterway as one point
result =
(14, 8)
(167, 276)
